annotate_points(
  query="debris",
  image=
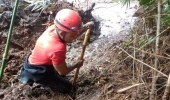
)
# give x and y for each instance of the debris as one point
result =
(139, 12)
(129, 87)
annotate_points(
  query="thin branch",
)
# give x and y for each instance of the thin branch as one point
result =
(129, 87)
(152, 9)
(139, 48)
(134, 53)
(150, 53)
(166, 93)
(144, 63)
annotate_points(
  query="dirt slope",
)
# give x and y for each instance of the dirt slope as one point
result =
(99, 78)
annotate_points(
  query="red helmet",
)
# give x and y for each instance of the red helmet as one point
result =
(68, 20)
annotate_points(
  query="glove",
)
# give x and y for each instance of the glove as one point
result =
(89, 24)
(79, 62)
(86, 26)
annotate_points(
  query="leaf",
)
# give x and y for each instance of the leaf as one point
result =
(143, 2)
(115, 0)
(166, 20)
(142, 41)
(126, 2)
(166, 8)
(38, 4)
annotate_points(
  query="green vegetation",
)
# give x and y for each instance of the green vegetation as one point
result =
(38, 5)
(149, 48)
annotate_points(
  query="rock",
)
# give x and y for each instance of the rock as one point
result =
(1, 94)
(139, 12)
(2, 6)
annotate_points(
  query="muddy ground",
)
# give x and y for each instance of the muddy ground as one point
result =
(99, 78)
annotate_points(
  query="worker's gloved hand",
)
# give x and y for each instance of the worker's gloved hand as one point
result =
(86, 26)
(79, 63)
(89, 24)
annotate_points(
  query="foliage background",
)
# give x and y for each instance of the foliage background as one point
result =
(149, 48)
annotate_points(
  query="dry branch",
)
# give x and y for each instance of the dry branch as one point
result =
(166, 93)
(145, 63)
(129, 87)
(150, 53)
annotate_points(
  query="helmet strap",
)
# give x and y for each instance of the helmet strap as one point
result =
(64, 35)
(62, 39)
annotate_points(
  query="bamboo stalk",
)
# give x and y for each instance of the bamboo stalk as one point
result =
(141, 48)
(134, 53)
(141, 66)
(8, 41)
(153, 93)
(166, 92)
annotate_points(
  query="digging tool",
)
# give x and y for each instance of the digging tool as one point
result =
(82, 54)
(8, 40)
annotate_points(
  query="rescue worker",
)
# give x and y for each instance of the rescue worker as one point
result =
(45, 64)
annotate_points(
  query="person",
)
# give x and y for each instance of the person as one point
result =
(46, 64)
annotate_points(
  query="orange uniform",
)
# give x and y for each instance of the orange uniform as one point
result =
(49, 49)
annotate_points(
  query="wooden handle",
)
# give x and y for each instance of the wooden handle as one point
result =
(82, 55)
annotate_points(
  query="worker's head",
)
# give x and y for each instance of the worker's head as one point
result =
(69, 23)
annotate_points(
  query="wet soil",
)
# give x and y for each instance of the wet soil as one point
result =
(99, 78)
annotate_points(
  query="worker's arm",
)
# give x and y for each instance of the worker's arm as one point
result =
(64, 69)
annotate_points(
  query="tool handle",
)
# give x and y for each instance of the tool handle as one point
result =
(82, 55)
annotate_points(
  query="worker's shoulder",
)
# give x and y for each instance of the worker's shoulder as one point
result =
(49, 33)
(59, 46)
(52, 27)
